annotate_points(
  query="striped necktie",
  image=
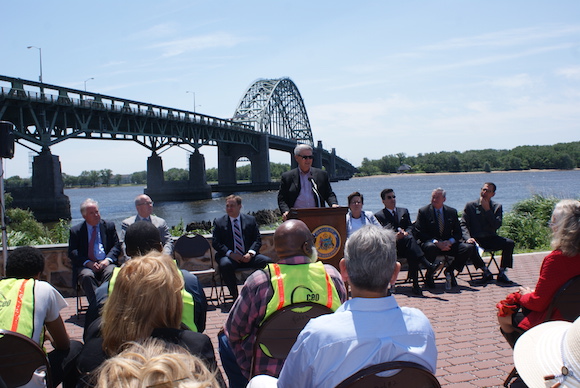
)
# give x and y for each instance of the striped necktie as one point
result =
(440, 220)
(238, 241)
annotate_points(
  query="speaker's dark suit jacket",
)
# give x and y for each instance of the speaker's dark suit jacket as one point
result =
(223, 235)
(427, 226)
(403, 220)
(78, 243)
(290, 188)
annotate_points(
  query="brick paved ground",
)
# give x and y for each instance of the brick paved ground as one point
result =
(472, 352)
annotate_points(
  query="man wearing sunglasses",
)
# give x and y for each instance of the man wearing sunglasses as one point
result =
(398, 220)
(305, 186)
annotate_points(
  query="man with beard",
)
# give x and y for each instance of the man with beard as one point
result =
(261, 296)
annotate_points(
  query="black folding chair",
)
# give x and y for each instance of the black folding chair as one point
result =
(392, 374)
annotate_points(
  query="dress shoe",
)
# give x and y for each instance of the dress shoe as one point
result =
(429, 282)
(416, 290)
(486, 278)
(503, 279)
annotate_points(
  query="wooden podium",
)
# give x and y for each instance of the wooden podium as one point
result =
(328, 226)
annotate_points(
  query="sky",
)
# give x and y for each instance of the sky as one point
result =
(377, 77)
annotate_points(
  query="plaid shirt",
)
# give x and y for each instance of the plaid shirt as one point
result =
(249, 310)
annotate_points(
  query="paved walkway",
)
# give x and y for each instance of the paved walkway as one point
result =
(472, 352)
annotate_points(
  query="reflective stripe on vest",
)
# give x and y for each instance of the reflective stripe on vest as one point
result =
(17, 305)
(188, 304)
(300, 283)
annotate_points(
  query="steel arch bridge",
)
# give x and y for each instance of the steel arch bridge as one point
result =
(275, 106)
(271, 115)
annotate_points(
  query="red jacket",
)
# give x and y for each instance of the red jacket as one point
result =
(556, 270)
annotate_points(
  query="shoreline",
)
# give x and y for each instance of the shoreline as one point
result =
(458, 173)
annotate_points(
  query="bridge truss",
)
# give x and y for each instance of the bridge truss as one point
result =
(275, 106)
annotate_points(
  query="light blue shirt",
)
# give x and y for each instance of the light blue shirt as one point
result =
(99, 248)
(362, 332)
(354, 224)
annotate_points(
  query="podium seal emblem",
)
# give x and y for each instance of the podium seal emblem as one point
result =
(327, 241)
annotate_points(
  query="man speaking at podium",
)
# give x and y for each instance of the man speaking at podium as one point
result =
(305, 186)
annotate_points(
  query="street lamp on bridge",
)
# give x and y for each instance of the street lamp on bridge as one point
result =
(40, 54)
(88, 79)
(194, 105)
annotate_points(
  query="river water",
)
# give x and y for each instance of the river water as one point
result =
(413, 192)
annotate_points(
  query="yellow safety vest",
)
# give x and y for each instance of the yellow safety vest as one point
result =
(188, 303)
(295, 283)
(17, 305)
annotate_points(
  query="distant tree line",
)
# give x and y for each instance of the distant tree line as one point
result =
(561, 156)
(106, 177)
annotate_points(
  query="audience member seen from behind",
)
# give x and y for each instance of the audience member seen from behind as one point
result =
(356, 217)
(293, 279)
(366, 330)
(155, 363)
(480, 221)
(562, 264)
(40, 305)
(142, 238)
(548, 355)
(145, 302)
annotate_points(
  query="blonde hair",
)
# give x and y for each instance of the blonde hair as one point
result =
(146, 296)
(566, 227)
(154, 363)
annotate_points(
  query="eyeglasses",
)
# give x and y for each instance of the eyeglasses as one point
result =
(145, 203)
(306, 157)
(390, 196)
(356, 203)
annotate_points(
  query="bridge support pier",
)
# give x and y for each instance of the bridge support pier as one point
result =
(194, 188)
(228, 155)
(46, 197)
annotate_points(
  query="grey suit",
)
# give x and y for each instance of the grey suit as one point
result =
(161, 226)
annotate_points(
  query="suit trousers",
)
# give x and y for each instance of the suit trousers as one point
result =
(460, 252)
(407, 247)
(496, 243)
(228, 269)
(90, 280)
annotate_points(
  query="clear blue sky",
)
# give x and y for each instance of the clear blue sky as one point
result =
(377, 77)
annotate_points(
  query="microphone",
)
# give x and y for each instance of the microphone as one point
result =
(316, 192)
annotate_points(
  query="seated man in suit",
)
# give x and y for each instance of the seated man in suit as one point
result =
(267, 291)
(480, 221)
(144, 206)
(93, 248)
(368, 329)
(439, 232)
(398, 220)
(39, 308)
(237, 241)
(304, 186)
(142, 238)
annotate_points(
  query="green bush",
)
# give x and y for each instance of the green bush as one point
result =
(527, 223)
(23, 229)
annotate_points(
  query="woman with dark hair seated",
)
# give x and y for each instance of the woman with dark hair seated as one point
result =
(145, 302)
(561, 265)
